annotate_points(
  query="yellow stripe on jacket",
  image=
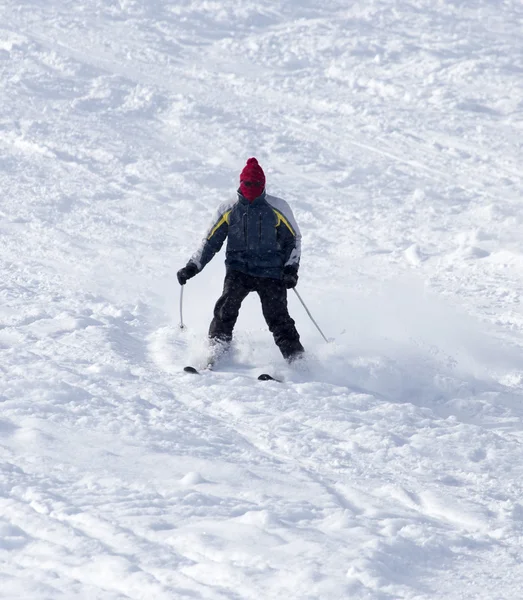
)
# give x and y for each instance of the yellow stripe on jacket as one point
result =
(282, 219)
(224, 219)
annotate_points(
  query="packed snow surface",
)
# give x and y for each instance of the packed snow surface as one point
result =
(390, 464)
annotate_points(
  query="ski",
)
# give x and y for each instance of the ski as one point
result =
(267, 377)
(262, 377)
(195, 371)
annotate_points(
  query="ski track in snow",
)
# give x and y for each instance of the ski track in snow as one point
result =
(390, 465)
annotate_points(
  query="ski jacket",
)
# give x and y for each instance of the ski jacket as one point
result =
(262, 237)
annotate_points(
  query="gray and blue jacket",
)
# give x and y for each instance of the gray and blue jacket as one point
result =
(262, 237)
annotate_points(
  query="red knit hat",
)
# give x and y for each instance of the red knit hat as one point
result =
(252, 180)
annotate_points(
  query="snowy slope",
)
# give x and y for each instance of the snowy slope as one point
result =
(392, 466)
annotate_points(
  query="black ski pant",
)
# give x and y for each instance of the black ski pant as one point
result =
(273, 297)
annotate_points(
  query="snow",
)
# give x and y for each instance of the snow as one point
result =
(391, 464)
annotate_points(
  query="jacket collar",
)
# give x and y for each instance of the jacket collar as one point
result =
(258, 200)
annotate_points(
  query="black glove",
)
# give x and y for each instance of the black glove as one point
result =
(290, 276)
(186, 273)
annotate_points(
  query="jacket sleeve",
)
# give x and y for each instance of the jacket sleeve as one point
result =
(213, 240)
(289, 233)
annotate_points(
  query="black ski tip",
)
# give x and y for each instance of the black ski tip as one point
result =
(267, 377)
(191, 370)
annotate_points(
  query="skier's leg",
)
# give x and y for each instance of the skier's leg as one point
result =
(273, 296)
(236, 286)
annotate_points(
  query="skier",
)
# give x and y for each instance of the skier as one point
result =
(262, 255)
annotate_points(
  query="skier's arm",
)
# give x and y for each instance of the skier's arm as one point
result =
(289, 234)
(287, 239)
(295, 255)
(290, 240)
(213, 241)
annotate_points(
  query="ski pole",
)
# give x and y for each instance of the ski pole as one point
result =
(182, 326)
(308, 312)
